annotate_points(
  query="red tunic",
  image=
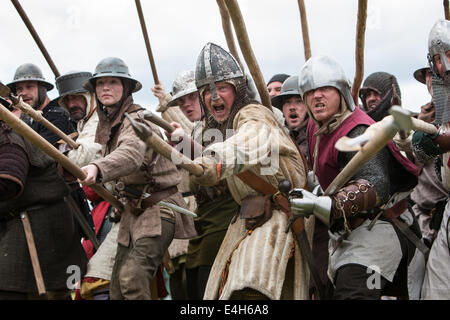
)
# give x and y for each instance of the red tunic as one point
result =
(327, 165)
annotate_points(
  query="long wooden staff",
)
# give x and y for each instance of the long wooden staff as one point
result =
(147, 41)
(228, 32)
(305, 33)
(29, 134)
(359, 50)
(35, 36)
(446, 10)
(163, 148)
(247, 51)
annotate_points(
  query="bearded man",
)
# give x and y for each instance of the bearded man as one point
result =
(31, 85)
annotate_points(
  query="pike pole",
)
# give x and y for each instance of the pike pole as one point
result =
(147, 41)
(35, 36)
(54, 153)
(359, 50)
(37, 116)
(226, 25)
(247, 51)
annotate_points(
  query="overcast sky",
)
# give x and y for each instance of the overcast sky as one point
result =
(78, 34)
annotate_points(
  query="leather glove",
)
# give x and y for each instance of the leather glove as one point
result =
(304, 203)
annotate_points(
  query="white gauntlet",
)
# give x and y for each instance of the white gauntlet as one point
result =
(304, 203)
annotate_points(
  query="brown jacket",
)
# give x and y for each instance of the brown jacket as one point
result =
(127, 159)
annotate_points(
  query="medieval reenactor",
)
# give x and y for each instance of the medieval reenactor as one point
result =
(32, 86)
(32, 189)
(357, 251)
(428, 147)
(275, 83)
(142, 179)
(290, 102)
(379, 92)
(259, 257)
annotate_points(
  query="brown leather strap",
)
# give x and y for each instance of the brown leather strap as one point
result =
(158, 196)
(262, 186)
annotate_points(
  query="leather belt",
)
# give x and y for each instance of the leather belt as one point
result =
(153, 199)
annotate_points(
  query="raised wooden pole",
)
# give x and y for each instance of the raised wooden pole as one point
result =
(147, 41)
(247, 51)
(359, 50)
(228, 32)
(305, 33)
(35, 36)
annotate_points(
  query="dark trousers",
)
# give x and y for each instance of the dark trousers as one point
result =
(136, 265)
(196, 279)
(177, 282)
(351, 284)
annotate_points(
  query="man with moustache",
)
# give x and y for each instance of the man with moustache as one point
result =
(32, 86)
(290, 102)
(357, 252)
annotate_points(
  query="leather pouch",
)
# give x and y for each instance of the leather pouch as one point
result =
(256, 210)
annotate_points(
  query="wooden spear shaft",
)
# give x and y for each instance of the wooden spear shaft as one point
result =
(226, 25)
(247, 51)
(29, 134)
(147, 41)
(359, 51)
(305, 33)
(35, 36)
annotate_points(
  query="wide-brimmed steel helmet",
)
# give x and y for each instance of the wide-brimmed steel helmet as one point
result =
(184, 84)
(214, 64)
(72, 83)
(29, 72)
(112, 67)
(289, 88)
(323, 71)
